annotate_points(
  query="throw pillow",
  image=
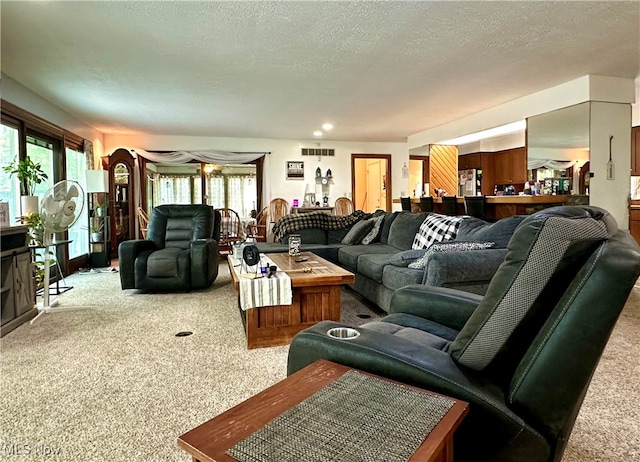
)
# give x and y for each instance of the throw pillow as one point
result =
(476, 230)
(357, 232)
(374, 234)
(406, 257)
(436, 228)
(421, 263)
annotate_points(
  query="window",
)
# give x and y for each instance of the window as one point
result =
(40, 151)
(9, 187)
(78, 233)
(234, 187)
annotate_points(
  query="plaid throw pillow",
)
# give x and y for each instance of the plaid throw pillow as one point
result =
(436, 228)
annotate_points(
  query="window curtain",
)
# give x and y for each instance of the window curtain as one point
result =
(209, 157)
(241, 194)
(175, 189)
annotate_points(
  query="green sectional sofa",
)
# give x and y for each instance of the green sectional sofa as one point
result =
(381, 267)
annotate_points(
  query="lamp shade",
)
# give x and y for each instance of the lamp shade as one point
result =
(97, 181)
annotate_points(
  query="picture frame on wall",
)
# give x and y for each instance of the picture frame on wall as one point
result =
(295, 170)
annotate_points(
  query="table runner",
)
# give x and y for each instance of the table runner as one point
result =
(264, 291)
(355, 418)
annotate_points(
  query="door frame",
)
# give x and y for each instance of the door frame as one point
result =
(387, 157)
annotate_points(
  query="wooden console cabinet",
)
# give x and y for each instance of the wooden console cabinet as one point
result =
(16, 283)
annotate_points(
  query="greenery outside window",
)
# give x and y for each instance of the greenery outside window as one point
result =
(9, 187)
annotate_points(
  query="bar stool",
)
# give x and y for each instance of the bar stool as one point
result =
(475, 206)
(426, 204)
(405, 202)
(449, 205)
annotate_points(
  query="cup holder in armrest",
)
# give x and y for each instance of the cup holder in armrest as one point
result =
(343, 333)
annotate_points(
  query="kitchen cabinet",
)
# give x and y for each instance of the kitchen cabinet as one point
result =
(510, 166)
(635, 151)
(468, 161)
(16, 280)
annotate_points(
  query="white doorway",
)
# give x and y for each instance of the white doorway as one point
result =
(371, 182)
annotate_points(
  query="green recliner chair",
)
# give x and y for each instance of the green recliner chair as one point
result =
(179, 253)
(524, 354)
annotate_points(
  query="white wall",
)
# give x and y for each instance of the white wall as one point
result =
(497, 143)
(281, 152)
(25, 99)
(610, 119)
(586, 88)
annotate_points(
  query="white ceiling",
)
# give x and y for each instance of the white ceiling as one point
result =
(379, 71)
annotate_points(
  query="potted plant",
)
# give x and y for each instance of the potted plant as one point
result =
(36, 227)
(30, 174)
(97, 226)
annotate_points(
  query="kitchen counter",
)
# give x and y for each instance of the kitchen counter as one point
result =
(505, 206)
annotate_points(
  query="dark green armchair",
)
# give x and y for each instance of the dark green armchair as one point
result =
(179, 253)
(524, 354)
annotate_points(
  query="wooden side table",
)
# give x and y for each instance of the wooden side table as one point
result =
(210, 441)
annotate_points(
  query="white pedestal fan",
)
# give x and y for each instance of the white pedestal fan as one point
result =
(60, 208)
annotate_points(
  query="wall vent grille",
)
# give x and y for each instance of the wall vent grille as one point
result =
(318, 152)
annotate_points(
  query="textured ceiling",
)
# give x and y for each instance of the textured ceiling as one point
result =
(379, 71)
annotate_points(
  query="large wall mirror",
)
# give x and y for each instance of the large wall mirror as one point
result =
(558, 148)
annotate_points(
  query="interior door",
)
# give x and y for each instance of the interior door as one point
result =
(374, 185)
(371, 182)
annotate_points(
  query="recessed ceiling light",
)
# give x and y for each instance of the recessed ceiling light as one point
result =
(327, 126)
(317, 133)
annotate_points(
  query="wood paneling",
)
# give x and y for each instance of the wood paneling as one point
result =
(443, 168)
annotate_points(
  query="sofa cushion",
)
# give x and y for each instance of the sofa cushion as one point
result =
(404, 228)
(374, 234)
(405, 257)
(416, 336)
(436, 228)
(395, 277)
(348, 254)
(357, 232)
(372, 265)
(453, 246)
(476, 230)
(163, 263)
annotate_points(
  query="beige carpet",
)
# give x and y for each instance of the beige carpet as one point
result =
(114, 383)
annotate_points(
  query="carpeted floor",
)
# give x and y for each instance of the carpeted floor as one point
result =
(114, 383)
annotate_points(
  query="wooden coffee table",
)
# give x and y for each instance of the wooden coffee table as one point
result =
(316, 297)
(210, 441)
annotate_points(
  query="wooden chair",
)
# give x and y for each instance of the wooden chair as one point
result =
(143, 222)
(343, 206)
(278, 208)
(230, 230)
(258, 231)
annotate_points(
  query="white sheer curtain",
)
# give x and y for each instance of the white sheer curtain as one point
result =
(215, 188)
(242, 194)
(175, 189)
